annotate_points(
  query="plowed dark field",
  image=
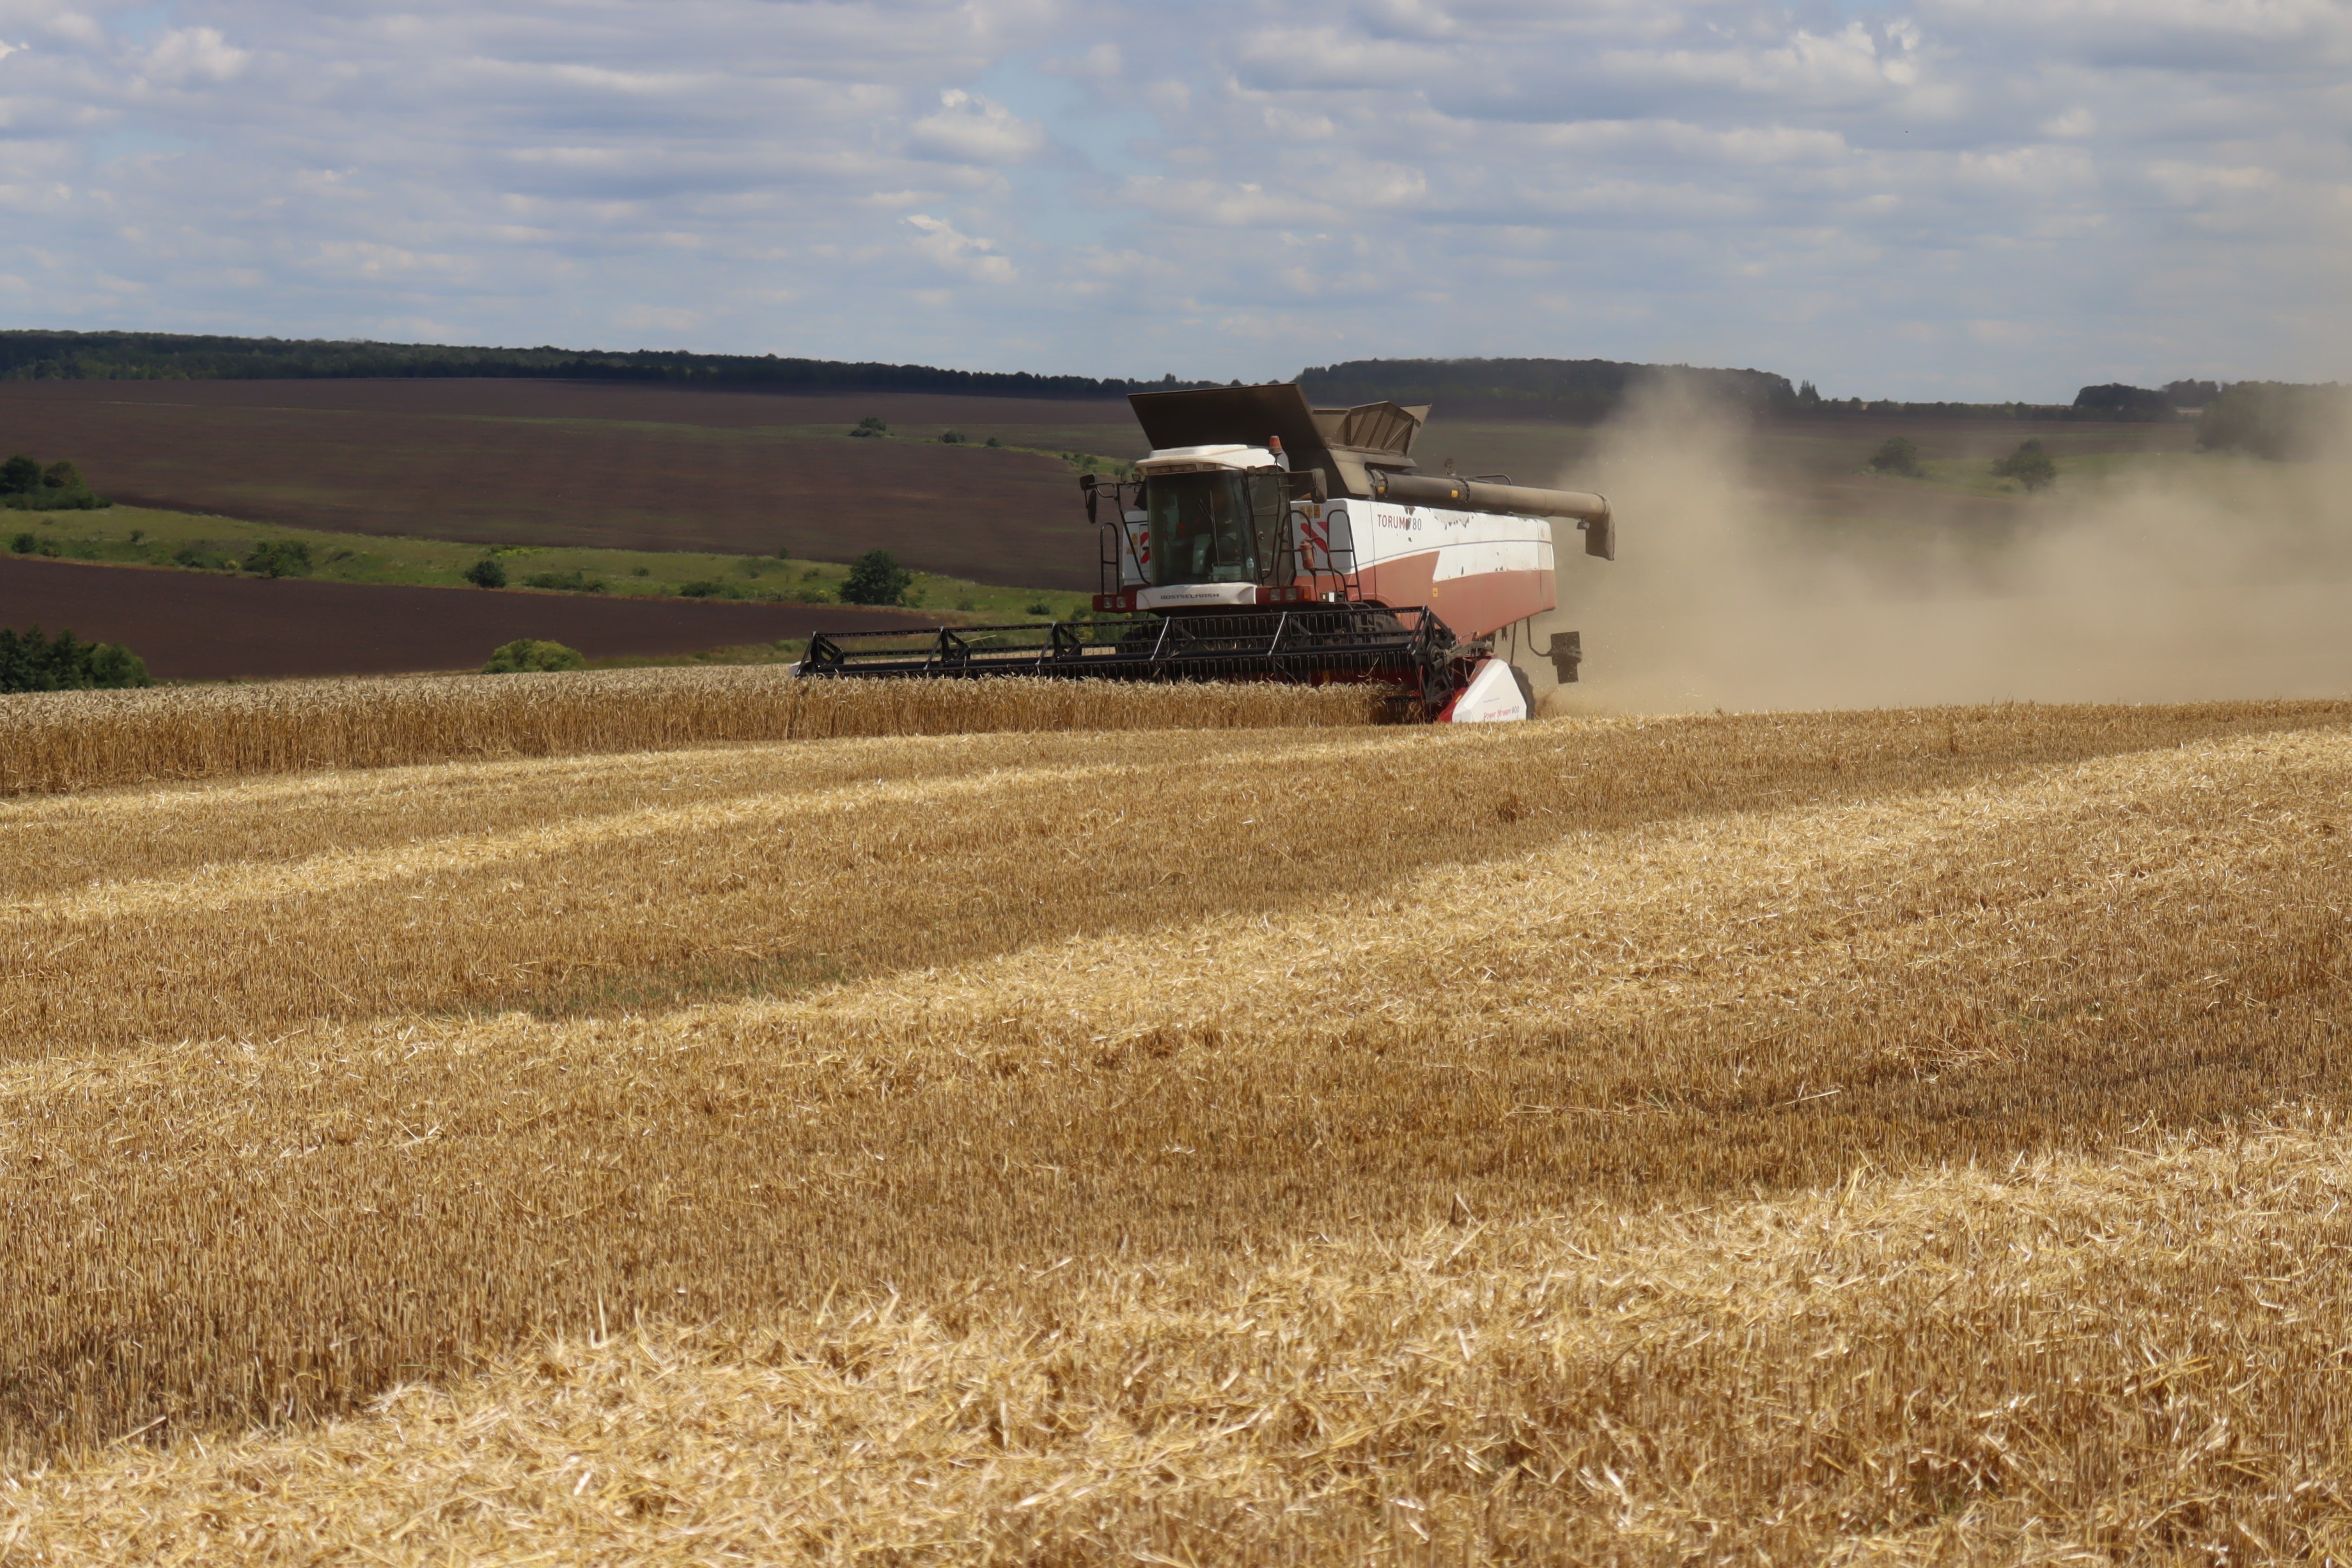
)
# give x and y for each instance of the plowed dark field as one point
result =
(517, 461)
(196, 626)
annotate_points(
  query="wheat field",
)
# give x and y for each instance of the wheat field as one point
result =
(1909, 1135)
(81, 740)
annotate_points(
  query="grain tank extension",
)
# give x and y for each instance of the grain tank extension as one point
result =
(1266, 540)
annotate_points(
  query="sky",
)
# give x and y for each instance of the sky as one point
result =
(1947, 199)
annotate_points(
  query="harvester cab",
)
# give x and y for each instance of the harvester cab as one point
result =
(1264, 538)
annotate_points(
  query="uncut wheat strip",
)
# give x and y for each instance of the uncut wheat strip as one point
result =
(217, 887)
(1085, 1409)
(81, 740)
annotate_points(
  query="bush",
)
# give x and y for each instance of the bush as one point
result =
(871, 426)
(565, 581)
(1898, 456)
(25, 543)
(528, 654)
(952, 437)
(278, 558)
(27, 486)
(32, 663)
(876, 578)
(1040, 607)
(203, 557)
(707, 588)
(46, 500)
(2028, 466)
(993, 442)
(488, 572)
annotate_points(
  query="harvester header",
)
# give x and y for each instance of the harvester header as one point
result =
(1264, 539)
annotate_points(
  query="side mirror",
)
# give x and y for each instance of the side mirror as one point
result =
(1087, 484)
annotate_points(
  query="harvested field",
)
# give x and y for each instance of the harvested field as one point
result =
(196, 626)
(1913, 1134)
(540, 463)
(59, 742)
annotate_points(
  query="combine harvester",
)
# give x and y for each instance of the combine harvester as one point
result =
(1264, 540)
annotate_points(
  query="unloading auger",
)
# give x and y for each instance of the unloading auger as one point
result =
(1268, 539)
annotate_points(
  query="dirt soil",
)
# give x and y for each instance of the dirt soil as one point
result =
(526, 462)
(194, 626)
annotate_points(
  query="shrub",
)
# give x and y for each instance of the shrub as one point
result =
(32, 663)
(203, 557)
(488, 572)
(871, 426)
(2030, 465)
(782, 553)
(61, 475)
(952, 437)
(565, 581)
(1040, 607)
(993, 442)
(876, 578)
(278, 558)
(25, 543)
(1898, 456)
(528, 653)
(707, 588)
(19, 475)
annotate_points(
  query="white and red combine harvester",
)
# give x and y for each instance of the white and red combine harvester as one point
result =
(1266, 540)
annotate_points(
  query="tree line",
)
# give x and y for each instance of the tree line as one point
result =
(173, 356)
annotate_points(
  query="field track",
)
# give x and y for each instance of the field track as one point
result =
(196, 626)
(1912, 1134)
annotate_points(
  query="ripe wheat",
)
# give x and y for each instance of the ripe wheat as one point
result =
(80, 740)
(1618, 1138)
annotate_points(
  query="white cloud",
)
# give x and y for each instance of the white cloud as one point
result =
(969, 129)
(193, 55)
(1740, 181)
(956, 251)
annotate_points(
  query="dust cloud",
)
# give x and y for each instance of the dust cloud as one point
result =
(2208, 578)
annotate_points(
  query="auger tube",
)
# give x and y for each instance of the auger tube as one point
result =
(1590, 512)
